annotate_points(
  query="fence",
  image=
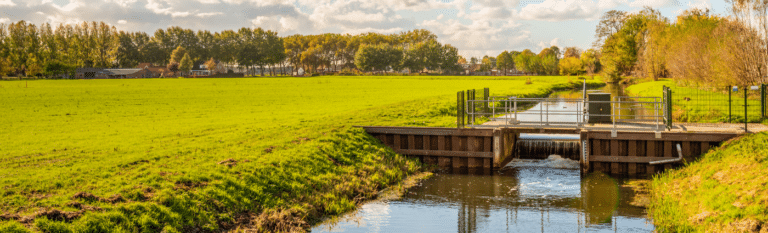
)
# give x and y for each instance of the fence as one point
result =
(638, 113)
(731, 104)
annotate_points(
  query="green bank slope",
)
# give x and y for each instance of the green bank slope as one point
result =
(725, 191)
(207, 155)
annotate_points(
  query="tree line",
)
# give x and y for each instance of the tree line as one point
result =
(698, 48)
(549, 61)
(32, 50)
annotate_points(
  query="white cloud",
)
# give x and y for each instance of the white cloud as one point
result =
(655, 3)
(73, 4)
(355, 31)
(209, 1)
(122, 21)
(359, 16)
(561, 10)
(158, 8)
(5, 20)
(208, 14)
(180, 14)
(554, 42)
(122, 3)
(7, 3)
(59, 19)
(280, 24)
(700, 4)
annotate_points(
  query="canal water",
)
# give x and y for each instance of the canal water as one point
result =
(527, 195)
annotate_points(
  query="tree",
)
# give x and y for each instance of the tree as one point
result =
(178, 54)
(549, 60)
(503, 61)
(173, 67)
(526, 61)
(473, 61)
(449, 62)
(572, 52)
(570, 66)
(486, 64)
(591, 61)
(211, 65)
(33, 66)
(462, 60)
(611, 22)
(378, 57)
(186, 64)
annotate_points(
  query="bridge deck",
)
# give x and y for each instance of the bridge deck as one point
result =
(631, 127)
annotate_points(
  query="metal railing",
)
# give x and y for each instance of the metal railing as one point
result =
(635, 113)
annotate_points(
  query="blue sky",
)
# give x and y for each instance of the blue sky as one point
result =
(476, 27)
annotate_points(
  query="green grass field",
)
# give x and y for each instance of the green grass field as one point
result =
(179, 155)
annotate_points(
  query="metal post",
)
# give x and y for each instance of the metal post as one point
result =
(486, 94)
(547, 113)
(730, 90)
(745, 109)
(762, 101)
(613, 112)
(458, 109)
(515, 108)
(669, 107)
(471, 107)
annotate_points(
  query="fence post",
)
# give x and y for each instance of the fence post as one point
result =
(474, 97)
(730, 90)
(745, 109)
(468, 118)
(458, 109)
(486, 96)
(762, 101)
(669, 107)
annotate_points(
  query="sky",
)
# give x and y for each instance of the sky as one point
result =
(475, 27)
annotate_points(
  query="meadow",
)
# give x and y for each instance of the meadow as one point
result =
(181, 155)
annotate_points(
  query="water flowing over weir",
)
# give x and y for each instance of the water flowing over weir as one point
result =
(541, 149)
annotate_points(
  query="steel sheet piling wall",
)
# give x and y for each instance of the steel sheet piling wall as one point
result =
(625, 153)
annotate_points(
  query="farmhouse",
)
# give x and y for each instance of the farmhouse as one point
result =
(157, 71)
(99, 73)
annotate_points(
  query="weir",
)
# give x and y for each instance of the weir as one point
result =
(615, 152)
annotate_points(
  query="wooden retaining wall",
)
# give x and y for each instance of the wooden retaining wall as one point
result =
(629, 153)
(449, 147)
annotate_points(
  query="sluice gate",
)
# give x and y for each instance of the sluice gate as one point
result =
(543, 148)
(615, 152)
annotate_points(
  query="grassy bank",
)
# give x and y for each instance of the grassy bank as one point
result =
(725, 191)
(705, 105)
(181, 155)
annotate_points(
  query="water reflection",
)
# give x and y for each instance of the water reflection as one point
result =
(523, 198)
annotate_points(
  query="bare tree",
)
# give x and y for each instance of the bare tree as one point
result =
(610, 23)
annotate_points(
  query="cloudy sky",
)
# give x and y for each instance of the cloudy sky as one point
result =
(476, 27)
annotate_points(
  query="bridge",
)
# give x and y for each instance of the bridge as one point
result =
(620, 135)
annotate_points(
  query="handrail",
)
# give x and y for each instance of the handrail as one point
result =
(507, 109)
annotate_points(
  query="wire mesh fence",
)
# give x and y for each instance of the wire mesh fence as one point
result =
(731, 104)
